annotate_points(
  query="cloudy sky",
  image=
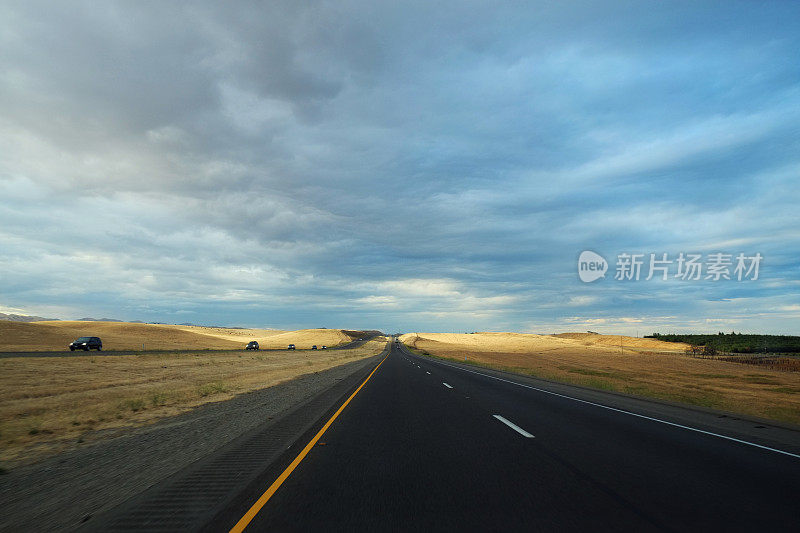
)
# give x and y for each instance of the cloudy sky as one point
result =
(400, 166)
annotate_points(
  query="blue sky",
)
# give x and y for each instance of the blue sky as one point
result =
(401, 167)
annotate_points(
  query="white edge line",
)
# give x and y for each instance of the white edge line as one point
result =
(446, 385)
(513, 426)
(796, 456)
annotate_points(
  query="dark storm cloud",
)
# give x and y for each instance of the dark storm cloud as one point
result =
(398, 166)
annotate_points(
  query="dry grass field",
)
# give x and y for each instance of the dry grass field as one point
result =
(56, 335)
(642, 367)
(48, 404)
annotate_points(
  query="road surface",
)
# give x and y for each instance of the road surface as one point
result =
(426, 445)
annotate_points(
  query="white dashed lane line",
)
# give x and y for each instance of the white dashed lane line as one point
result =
(446, 385)
(513, 426)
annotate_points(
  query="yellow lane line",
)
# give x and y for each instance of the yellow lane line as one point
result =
(253, 511)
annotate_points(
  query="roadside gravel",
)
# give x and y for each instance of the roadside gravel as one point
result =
(57, 493)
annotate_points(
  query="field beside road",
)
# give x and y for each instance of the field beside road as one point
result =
(57, 334)
(48, 404)
(643, 367)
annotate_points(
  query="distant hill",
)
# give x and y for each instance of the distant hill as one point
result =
(48, 336)
(99, 320)
(203, 326)
(23, 318)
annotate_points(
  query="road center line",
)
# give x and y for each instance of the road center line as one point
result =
(446, 385)
(428, 373)
(253, 511)
(513, 426)
(689, 428)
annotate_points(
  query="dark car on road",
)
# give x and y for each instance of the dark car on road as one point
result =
(86, 344)
(291, 347)
(314, 347)
(252, 345)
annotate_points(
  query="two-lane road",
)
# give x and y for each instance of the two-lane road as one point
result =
(427, 445)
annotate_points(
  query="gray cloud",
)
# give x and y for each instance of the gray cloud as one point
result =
(402, 167)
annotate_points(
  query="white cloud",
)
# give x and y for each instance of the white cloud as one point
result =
(576, 301)
(378, 301)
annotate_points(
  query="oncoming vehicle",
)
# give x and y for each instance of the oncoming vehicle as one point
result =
(291, 347)
(252, 345)
(86, 344)
(324, 347)
(314, 347)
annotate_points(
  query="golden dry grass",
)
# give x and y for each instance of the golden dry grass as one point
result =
(274, 338)
(614, 342)
(48, 404)
(639, 370)
(532, 343)
(56, 335)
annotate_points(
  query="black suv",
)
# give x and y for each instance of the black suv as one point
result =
(252, 345)
(86, 344)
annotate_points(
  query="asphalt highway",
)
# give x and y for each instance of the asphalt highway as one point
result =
(428, 446)
(412, 443)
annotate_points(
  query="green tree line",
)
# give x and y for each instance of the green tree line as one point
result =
(737, 342)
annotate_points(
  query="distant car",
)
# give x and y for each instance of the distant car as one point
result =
(252, 345)
(324, 347)
(314, 347)
(86, 344)
(291, 347)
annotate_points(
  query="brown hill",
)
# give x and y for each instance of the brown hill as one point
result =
(532, 343)
(56, 335)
